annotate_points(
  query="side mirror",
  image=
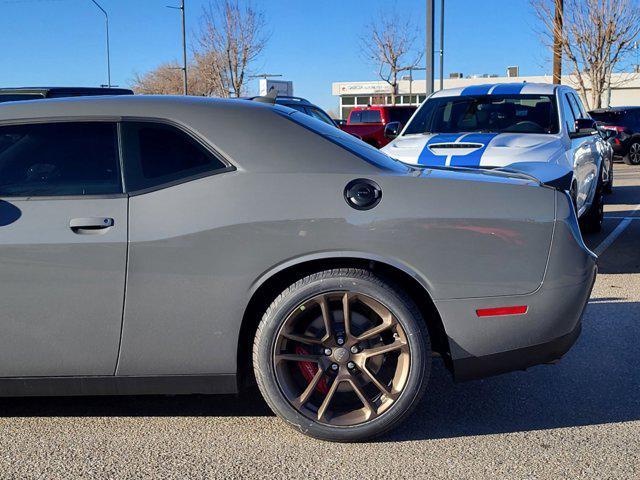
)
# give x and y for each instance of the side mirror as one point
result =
(392, 130)
(585, 126)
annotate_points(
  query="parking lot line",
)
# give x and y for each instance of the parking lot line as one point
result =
(606, 243)
(626, 221)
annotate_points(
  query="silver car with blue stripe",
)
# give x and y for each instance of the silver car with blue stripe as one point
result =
(542, 130)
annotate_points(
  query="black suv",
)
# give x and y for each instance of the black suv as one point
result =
(35, 93)
(624, 124)
(301, 104)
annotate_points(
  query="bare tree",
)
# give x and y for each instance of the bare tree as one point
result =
(231, 37)
(389, 44)
(166, 79)
(596, 38)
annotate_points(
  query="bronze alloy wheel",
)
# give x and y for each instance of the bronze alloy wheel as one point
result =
(341, 358)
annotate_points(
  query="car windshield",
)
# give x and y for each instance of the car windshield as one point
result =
(486, 113)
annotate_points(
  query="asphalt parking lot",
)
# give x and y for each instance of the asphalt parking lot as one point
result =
(577, 419)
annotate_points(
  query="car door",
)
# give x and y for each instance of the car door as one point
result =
(579, 152)
(594, 158)
(175, 273)
(63, 249)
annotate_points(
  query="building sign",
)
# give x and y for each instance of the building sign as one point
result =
(364, 88)
(283, 87)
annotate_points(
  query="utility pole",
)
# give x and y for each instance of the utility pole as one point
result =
(429, 47)
(106, 17)
(557, 41)
(441, 44)
(184, 50)
(185, 86)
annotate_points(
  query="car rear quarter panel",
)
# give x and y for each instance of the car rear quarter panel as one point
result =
(198, 250)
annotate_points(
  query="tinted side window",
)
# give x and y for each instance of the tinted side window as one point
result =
(401, 115)
(156, 154)
(59, 159)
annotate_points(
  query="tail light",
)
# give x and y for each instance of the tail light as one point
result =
(501, 311)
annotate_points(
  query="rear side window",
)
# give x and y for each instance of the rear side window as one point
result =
(157, 154)
(50, 159)
(365, 116)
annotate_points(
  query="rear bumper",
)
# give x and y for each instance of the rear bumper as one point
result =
(479, 367)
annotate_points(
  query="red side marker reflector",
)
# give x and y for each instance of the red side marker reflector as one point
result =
(500, 311)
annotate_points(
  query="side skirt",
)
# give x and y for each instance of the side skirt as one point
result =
(112, 385)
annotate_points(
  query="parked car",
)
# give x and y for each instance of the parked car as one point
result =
(297, 103)
(35, 93)
(368, 123)
(624, 123)
(167, 245)
(539, 129)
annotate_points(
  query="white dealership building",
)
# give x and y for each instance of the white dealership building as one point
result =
(625, 89)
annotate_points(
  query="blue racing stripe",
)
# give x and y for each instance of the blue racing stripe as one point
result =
(508, 89)
(473, 159)
(428, 158)
(476, 90)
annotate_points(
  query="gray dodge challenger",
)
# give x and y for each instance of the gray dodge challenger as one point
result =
(185, 245)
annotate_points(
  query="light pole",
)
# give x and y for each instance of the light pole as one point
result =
(441, 44)
(106, 17)
(185, 86)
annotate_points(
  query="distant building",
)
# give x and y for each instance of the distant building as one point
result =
(626, 89)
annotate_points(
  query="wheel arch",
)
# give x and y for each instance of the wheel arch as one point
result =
(271, 283)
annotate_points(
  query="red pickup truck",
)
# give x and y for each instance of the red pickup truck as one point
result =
(368, 123)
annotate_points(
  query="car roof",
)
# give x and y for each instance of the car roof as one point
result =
(522, 88)
(66, 90)
(242, 130)
(385, 107)
(112, 105)
(285, 100)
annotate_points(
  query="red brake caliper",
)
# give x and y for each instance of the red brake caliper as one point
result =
(309, 370)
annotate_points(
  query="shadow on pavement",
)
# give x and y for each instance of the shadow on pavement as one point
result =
(597, 382)
(624, 195)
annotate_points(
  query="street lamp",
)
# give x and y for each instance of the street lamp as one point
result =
(106, 17)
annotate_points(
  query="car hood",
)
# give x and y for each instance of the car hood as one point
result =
(475, 149)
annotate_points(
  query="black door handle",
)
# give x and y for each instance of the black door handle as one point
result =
(91, 225)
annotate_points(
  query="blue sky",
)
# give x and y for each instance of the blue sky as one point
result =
(313, 42)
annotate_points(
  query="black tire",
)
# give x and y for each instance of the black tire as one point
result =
(359, 282)
(592, 220)
(633, 154)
